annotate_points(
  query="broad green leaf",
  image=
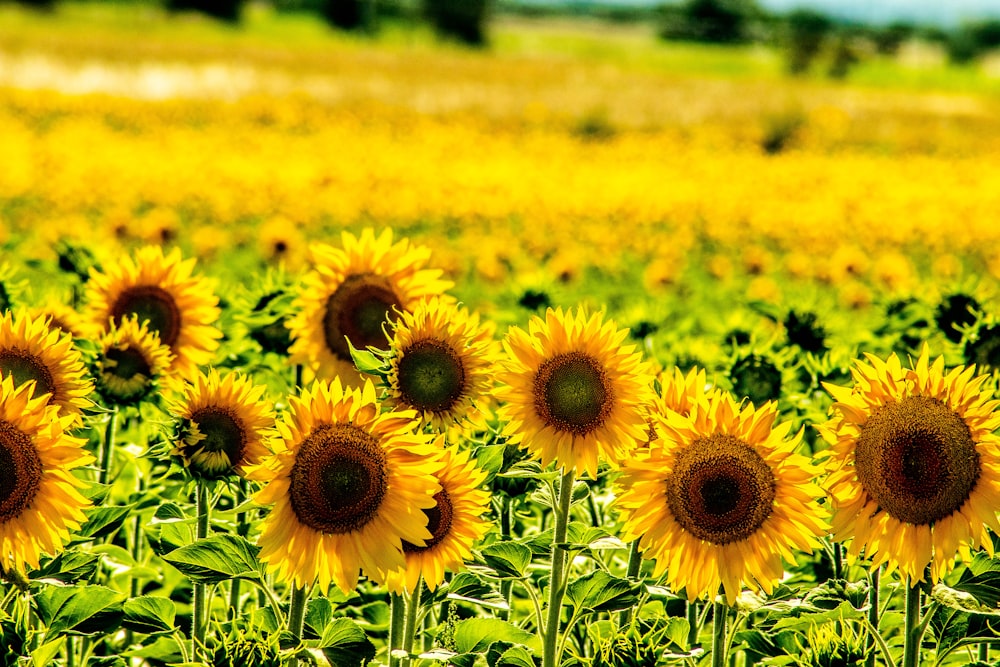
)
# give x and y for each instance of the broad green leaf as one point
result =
(149, 614)
(168, 536)
(474, 635)
(44, 654)
(217, 558)
(507, 559)
(345, 644)
(102, 521)
(844, 612)
(515, 656)
(984, 587)
(164, 650)
(319, 613)
(169, 512)
(467, 587)
(368, 362)
(69, 567)
(950, 626)
(490, 458)
(599, 591)
(376, 615)
(79, 609)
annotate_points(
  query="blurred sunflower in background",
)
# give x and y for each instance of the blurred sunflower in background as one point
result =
(60, 317)
(915, 463)
(162, 291)
(349, 485)
(455, 524)
(129, 363)
(31, 351)
(224, 424)
(721, 498)
(351, 293)
(440, 362)
(39, 500)
(571, 392)
(677, 393)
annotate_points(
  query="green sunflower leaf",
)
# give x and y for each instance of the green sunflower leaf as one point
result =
(475, 635)
(976, 597)
(509, 560)
(599, 591)
(101, 522)
(68, 567)
(368, 362)
(149, 614)
(44, 654)
(984, 587)
(345, 644)
(215, 559)
(79, 609)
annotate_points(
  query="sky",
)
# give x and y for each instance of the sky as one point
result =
(941, 12)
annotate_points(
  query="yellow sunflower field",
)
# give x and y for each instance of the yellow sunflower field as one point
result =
(577, 348)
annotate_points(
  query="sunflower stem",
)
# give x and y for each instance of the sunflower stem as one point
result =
(199, 614)
(631, 573)
(838, 562)
(397, 616)
(556, 583)
(873, 595)
(109, 445)
(911, 629)
(719, 612)
(507, 585)
(984, 652)
(297, 612)
(692, 618)
(241, 530)
(410, 623)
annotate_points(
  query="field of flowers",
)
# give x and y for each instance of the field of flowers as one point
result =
(351, 352)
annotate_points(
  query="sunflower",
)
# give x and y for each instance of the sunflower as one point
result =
(720, 498)
(224, 424)
(351, 293)
(61, 317)
(39, 501)
(161, 290)
(129, 363)
(915, 465)
(455, 524)
(349, 485)
(441, 362)
(676, 393)
(571, 391)
(30, 350)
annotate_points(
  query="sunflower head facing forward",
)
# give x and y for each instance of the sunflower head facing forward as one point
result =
(349, 484)
(720, 498)
(223, 426)
(130, 361)
(351, 294)
(915, 463)
(572, 392)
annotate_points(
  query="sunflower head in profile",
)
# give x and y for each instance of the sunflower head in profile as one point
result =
(349, 484)
(572, 392)
(39, 498)
(162, 291)
(720, 498)
(31, 351)
(129, 363)
(915, 463)
(440, 362)
(455, 524)
(351, 294)
(676, 393)
(224, 425)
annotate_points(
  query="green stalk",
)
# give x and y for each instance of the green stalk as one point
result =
(631, 573)
(873, 594)
(507, 585)
(109, 445)
(397, 614)
(692, 618)
(719, 612)
(838, 562)
(241, 530)
(410, 623)
(984, 652)
(556, 583)
(200, 613)
(297, 612)
(911, 631)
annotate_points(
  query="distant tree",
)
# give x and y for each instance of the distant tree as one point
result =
(224, 10)
(343, 14)
(714, 21)
(462, 20)
(972, 40)
(887, 39)
(807, 33)
(845, 56)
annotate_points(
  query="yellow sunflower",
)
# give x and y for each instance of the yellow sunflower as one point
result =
(39, 501)
(720, 498)
(163, 291)
(349, 485)
(455, 523)
(60, 316)
(572, 392)
(30, 350)
(224, 424)
(678, 393)
(915, 463)
(351, 294)
(129, 363)
(441, 362)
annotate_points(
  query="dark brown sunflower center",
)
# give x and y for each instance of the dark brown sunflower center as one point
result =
(721, 490)
(222, 431)
(24, 366)
(439, 520)
(917, 459)
(20, 471)
(339, 479)
(151, 304)
(572, 393)
(128, 363)
(357, 310)
(431, 376)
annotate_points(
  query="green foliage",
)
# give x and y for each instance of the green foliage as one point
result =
(711, 21)
(806, 33)
(460, 20)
